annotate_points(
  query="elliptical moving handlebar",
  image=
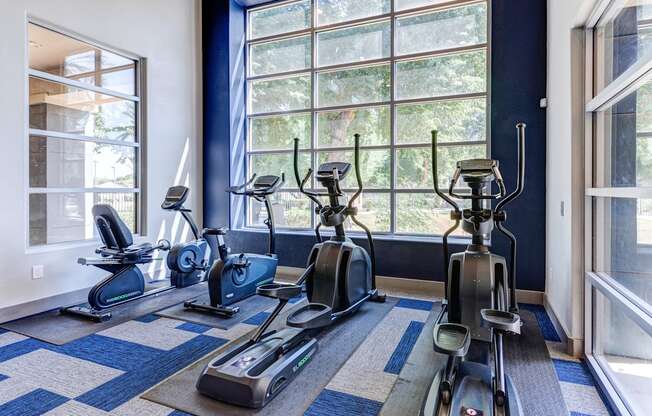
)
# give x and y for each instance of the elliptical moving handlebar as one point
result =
(302, 183)
(520, 178)
(435, 175)
(358, 176)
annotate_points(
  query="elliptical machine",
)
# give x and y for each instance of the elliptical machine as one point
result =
(340, 276)
(234, 277)
(480, 291)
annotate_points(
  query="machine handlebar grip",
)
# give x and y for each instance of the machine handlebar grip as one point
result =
(520, 177)
(358, 175)
(301, 183)
(435, 176)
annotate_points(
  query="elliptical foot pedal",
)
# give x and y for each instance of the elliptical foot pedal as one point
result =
(502, 321)
(311, 316)
(451, 339)
(279, 291)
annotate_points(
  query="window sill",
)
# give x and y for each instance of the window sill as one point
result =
(72, 245)
(357, 235)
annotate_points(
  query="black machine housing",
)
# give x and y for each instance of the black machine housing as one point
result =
(339, 277)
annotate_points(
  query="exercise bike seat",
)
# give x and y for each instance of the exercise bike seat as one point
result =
(501, 321)
(451, 339)
(311, 316)
(279, 291)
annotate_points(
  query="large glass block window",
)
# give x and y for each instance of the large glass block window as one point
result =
(84, 141)
(324, 70)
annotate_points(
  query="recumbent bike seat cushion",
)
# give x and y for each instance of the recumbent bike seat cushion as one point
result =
(113, 231)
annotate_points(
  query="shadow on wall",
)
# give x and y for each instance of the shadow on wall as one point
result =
(174, 229)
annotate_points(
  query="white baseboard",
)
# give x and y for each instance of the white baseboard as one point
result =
(414, 287)
(41, 305)
(574, 345)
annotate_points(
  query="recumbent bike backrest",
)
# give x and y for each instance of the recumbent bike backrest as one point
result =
(113, 231)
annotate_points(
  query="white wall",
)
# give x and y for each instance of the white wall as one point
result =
(167, 33)
(565, 163)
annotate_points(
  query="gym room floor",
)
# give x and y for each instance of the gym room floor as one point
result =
(106, 373)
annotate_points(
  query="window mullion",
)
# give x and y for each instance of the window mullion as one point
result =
(391, 104)
(313, 98)
(392, 120)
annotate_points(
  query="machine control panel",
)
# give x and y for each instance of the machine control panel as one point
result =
(175, 197)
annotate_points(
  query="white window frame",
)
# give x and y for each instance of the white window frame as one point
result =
(139, 137)
(595, 232)
(392, 60)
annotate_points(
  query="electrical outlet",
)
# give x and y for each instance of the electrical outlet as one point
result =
(38, 271)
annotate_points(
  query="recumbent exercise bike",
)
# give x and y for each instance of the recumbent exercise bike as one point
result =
(121, 257)
(480, 305)
(340, 276)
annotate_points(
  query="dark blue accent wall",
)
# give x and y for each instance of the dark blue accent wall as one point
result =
(518, 82)
(216, 103)
(518, 66)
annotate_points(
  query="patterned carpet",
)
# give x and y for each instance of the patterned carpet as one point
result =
(105, 373)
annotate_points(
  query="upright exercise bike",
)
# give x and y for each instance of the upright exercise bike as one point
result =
(340, 276)
(480, 305)
(234, 277)
(189, 261)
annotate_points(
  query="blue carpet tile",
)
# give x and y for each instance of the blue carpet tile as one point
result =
(33, 403)
(147, 318)
(334, 403)
(573, 372)
(123, 388)
(257, 319)
(192, 327)
(545, 323)
(404, 348)
(109, 352)
(422, 305)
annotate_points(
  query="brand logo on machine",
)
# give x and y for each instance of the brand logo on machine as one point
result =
(122, 297)
(303, 361)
